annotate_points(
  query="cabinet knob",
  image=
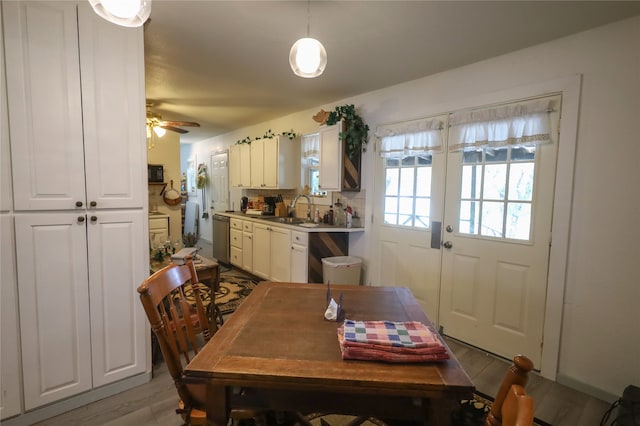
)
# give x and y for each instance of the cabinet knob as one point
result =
(93, 204)
(78, 203)
(94, 218)
(80, 219)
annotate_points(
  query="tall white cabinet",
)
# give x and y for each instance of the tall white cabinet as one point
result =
(75, 89)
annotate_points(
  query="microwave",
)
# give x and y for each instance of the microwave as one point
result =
(155, 172)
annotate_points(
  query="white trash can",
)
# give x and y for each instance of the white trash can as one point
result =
(341, 270)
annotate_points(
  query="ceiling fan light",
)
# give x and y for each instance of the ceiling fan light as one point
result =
(308, 58)
(159, 131)
(127, 13)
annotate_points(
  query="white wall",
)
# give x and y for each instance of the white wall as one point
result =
(600, 342)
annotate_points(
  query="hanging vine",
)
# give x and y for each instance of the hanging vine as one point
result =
(268, 135)
(356, 132)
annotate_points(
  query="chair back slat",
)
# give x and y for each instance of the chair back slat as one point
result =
(178, 318)
(517, 409)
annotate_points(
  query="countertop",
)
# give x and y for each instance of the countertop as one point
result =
(321, 227)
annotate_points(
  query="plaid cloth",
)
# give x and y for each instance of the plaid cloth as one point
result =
(390, 342)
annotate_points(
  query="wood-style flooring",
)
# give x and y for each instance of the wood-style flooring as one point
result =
(153, 403)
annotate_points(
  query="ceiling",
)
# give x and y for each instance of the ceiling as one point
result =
(225, 64)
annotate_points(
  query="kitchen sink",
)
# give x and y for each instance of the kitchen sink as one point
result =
(287, 220)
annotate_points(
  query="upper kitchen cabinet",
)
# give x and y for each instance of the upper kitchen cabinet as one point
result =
(75, 87)
(338, 171)
(275, 163)
(240, 165)
(5, 163)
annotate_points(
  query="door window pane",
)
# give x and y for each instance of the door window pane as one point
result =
(407, 198)
(502, 209)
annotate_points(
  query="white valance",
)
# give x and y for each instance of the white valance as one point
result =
(311, 146)
(410, 138)
(522, 124)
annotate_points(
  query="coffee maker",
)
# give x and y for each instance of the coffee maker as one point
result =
(269, 206)
(244, 203)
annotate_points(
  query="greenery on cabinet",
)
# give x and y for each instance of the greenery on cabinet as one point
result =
(356, 132)
(269, 135)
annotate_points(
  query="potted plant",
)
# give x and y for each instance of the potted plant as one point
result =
(356, 132)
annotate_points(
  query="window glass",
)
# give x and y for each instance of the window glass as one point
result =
(496, 192)
(407, 200)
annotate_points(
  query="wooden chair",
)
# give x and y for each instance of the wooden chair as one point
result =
(503, 411)
(182, 328)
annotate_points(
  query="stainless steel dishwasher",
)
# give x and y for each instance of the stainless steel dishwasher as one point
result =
(220, 239)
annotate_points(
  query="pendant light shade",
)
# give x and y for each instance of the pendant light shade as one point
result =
(127, 13)
(308, 58)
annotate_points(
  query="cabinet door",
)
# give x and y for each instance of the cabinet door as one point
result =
(247, 251)
(299, 261)
(10, 382)
(280, 254)
(234, 166)
(43, 89)
(5, 163)
(257, 163)
(51, 253)
(113, 111)
(261, 250)
(271, 163)
(119, 331)
(330, 158)
(245, 165)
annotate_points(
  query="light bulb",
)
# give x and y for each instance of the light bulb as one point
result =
(159, 131)
(308, 58)
(127, 13)
(126, 9)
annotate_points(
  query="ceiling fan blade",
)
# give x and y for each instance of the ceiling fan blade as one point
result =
(174, 129)
(179, 123)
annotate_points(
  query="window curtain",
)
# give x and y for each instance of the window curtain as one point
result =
(410, 138)
(311, 146)
(522, 124)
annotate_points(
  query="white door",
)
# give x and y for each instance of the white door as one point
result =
(483, 289)
(280, 268)
(51, 255)
(116, 269)
(219, 181)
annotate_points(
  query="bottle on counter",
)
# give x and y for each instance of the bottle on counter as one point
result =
(316, 216)
(331, 217)
(340, 219)
(349, 217)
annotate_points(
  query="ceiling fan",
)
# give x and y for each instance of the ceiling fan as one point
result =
(158, 125)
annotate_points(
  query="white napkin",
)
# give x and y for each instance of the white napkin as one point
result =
(331, 313)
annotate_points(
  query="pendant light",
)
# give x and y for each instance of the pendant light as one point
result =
(307, 57)
(127, 13)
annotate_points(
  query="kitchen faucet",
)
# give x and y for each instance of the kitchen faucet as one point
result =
(295, 200)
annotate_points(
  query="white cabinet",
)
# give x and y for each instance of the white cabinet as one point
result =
(63, 126)
(5, 164)
(235, 241)
(158, 230)
(299, 256)
(247, 245)
(68, 348)
(77, 155)
(240, 165)
(270, 163)
(330, 158)
(10, 382)
(271, 252)
(261, 250)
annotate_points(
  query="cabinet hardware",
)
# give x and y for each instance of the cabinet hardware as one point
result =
(93, 204)
(80, 219)
(78, 203)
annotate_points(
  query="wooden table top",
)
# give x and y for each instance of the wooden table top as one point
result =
(278, 337)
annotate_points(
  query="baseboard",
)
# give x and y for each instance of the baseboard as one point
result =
(57, 408)
(585, 388)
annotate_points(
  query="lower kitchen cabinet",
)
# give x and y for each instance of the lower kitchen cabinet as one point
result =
(81, 322)
(299, 256)
(10, 383)
(271, 252)
(247, 246)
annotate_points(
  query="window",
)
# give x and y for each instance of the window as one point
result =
(497, 192)
(311, 164)
(407, 198)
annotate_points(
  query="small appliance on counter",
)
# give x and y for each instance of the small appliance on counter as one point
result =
(244, 203)
(269, 206)
(155, 173)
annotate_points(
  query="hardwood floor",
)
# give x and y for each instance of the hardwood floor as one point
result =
(153, 403)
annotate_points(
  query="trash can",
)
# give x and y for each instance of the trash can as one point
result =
(341, 270)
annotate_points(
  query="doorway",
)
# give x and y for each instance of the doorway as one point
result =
(482, 281)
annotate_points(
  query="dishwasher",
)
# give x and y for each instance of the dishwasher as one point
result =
(221, 238)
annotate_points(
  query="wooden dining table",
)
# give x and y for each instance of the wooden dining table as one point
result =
(277, 352)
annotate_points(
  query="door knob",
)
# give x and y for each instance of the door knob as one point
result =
(447, 244)
(449, 228)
